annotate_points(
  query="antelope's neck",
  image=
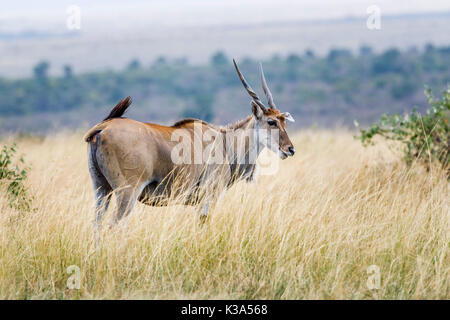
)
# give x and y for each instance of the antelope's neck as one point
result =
(243, 162)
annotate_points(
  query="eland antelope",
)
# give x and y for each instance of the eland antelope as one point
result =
(140, 161)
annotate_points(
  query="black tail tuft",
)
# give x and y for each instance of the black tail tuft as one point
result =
(119, 109)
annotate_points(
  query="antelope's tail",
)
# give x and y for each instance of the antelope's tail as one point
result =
(119, 109)
(117, 112)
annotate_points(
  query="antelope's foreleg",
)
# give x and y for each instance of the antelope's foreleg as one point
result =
(213, 185)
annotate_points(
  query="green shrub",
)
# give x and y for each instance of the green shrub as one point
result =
(13, 177)
(424, 138)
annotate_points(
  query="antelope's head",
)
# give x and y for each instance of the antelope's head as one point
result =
(270, 120)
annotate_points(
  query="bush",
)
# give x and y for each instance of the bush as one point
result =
(13, 177)
(422, 137)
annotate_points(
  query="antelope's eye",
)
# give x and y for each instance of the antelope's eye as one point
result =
(272, 122)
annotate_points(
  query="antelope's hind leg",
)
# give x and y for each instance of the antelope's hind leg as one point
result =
(102, 200)
(126, 200)
(102, 189)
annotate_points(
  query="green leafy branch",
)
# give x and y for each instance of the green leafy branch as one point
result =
(424, 138)
(13, 176)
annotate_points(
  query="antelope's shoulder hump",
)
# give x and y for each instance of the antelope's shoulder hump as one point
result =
(189, 122)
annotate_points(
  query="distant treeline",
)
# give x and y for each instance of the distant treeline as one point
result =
(339, 86)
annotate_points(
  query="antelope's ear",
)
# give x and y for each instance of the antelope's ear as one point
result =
(256, 110)
(288, 117)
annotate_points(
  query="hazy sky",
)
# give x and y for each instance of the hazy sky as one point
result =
(113, 32)
(48, 13)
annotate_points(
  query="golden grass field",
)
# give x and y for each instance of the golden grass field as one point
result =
(309, 232)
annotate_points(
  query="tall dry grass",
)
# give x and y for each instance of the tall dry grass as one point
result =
(310, 232)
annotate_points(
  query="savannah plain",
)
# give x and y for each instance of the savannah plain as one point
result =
(337, 221)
